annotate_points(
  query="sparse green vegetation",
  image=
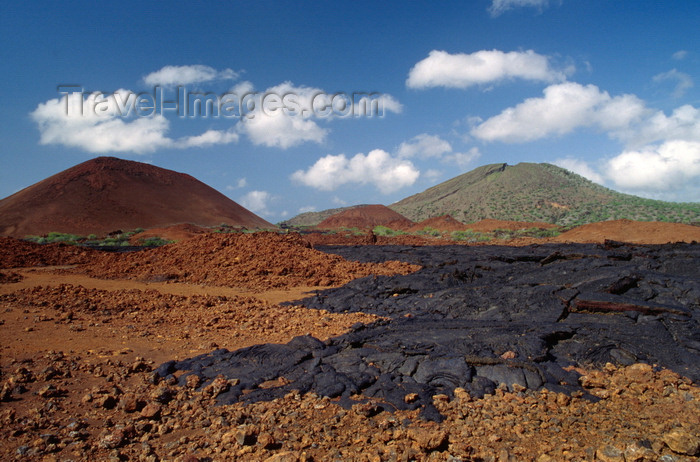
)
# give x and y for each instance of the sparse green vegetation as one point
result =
(470, 236)
(529, 232)
(54, 237)
(537, 192)
(428, 231)
(384, 231)
(155, 242)
(118, 240)
(355, 231)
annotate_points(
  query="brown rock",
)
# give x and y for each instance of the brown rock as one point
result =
(266, 440)
(49, 391)
(639, 452)
(366, 409)
(427, 439)
(107, 401)
(594, 379)
(163, 394)
(610, 454)
(284, 456)
(189, 458)
(216, 387)
(682, 441)
(462, 394)
(6, 393)
(193, 381)
(151, 411)
(639, 373)
(113, 440)
(245, 435)
(129, 403)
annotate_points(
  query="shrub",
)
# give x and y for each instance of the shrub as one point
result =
(384, 231)
(470, 236)
(155, 242)
(428, 231)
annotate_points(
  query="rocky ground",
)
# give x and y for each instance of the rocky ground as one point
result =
(80, 358)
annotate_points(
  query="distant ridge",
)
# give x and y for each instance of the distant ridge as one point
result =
(526, 192)
(107, 194)
(536, 193)
(366, 217)
(313, 218)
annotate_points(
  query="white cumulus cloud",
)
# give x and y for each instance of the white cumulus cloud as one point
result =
(274, 123)
(378, 168)
(442, 69)
(679, 55)
(500, 6)
(672, 166)
(240, 183)
(580, 167)
(563, 108)
(683, 81)
(170, 76)
(286, 115)
(682, 124)
(424, 145)
(463, 159)
(98, 123)
(281, 131)
(209, 138)
(257, 202)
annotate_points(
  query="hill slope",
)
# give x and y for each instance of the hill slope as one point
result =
(105, 194)
(536, 192)
(366, 217)
(313, 218)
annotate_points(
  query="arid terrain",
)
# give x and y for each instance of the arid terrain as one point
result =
(84, 334)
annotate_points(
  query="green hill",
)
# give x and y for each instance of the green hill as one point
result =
(536, 192)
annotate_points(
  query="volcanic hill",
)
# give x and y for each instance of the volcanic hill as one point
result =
(107, 194)
(536, 193)
(366, 217)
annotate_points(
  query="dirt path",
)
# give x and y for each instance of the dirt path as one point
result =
(46, 276)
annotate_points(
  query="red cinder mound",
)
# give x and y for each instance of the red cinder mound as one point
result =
(489, 225)
(366, 217)
(255, 261)
(443, 223)
(15, 253)
(108, 194)
(635, 232)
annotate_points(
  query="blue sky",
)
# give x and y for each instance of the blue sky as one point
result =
(606, 88)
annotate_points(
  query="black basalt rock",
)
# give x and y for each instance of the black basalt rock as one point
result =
(479, 317)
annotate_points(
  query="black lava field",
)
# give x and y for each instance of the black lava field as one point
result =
(477, 317)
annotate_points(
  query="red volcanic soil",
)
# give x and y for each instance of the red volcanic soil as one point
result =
(15, 253)
(253, 261)
(106, 194)
(489, 225)
(635, 232)
(443, 223)
(366, 217)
